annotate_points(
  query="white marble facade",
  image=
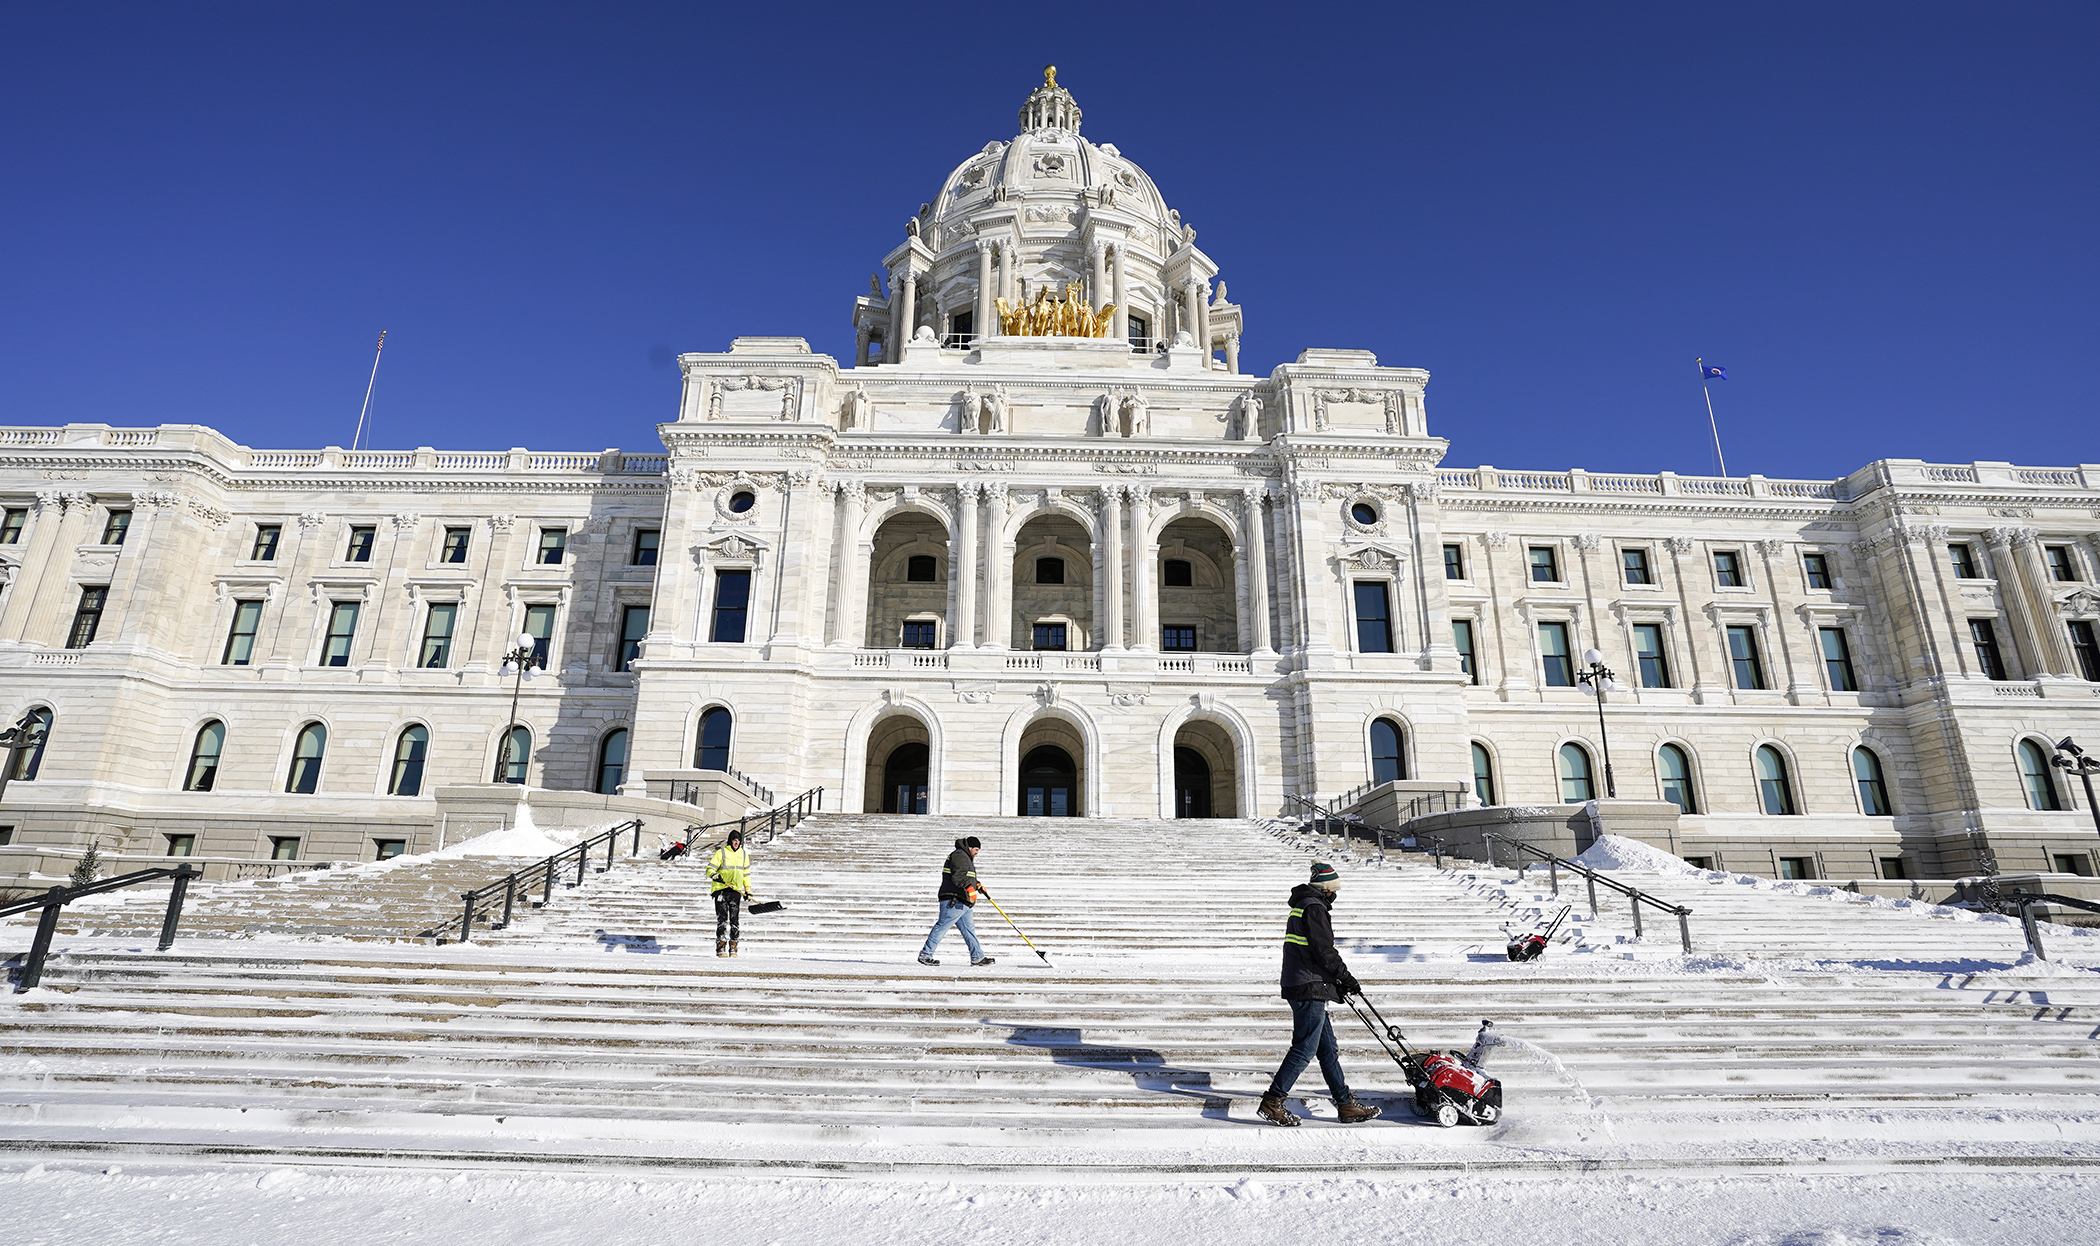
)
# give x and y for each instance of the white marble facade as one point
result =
(1203, 542)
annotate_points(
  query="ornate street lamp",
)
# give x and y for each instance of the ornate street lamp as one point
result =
(2072, 759)
(28, 735)
(1597, 679)
(518, 662)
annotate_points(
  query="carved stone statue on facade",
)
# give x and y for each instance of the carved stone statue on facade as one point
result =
(875, 285)
(995, 410)
(911, 227)
(1137, 415)
(969, 410)
(858, 411)
(1247, 426)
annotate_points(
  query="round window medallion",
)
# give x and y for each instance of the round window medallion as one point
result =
(742, 500)
(1364, 513)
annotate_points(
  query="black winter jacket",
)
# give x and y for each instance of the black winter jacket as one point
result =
(958, 876)
(1312, 969)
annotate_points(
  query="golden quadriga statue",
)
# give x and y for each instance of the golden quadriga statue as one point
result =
(1067, 316)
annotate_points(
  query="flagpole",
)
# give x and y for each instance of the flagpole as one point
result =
(1710, 421)
(375, 380)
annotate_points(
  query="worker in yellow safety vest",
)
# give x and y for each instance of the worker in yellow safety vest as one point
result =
(729, 869)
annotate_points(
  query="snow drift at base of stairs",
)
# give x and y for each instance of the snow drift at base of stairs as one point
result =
(1616, 852)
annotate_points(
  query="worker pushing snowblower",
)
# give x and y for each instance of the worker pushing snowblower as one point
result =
(1448, 1087)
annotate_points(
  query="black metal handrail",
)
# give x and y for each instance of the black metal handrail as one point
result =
(544, 872)
(687, 791)
(58, 897)
(780, 818)
(2028, 899)
(1325, 820)
(1634, 895)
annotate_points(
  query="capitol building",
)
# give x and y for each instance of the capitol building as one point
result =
(1038, 548)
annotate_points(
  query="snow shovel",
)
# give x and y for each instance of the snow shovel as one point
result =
(1017, 930)
(764, 906)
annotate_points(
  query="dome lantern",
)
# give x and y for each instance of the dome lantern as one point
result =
(1050, 106)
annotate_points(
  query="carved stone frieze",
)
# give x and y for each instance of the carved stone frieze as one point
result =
(1496, 540)
(314, 519)
(1587, 540)
(1679, 544)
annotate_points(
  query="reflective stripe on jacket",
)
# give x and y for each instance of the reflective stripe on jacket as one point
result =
(730, 870)
(959, 877)
(1312, 969)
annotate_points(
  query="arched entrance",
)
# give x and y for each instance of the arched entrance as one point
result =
(1191, 784)
(1049, 783)
(1206, 771)
(904, 779)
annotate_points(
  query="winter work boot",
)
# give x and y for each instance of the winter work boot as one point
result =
(986, 961)
(928, 960)
(1273, 1111)
(1354, 1111)
(721, 947)
(732, 947)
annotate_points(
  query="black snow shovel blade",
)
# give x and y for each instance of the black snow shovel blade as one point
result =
(767, 906)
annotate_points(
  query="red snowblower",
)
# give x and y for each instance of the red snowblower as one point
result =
(1533, 945)
(1449, 1087)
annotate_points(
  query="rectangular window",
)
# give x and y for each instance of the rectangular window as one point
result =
(1553, 654)
(342, 627)
(11, 525)
(1177, 639)
(1964, 560)
(88, 616)
(284, 847)
(1050, 636)
(181, 845)
(1374, 633)
(388, 849)
(1837, 660)
(1454, 562)
(455, 546)
(1636, 562)
(2087, 649)
(921, 634)
(1893, 867)
(1985, 639)
(1545, 565)
(1797, 867)
(1462, 640)
(361, 538)
(732, 600)
(1728, 569)
(634, 624)
(1049, 570)
(240, 640)
(1743, 656)
(539, 624)
(646, 541)
(2061, 568)
(2072, 863)
(1817, 567)
(1178, 573)
(266, 537)
(552, 542)
(114, 528)
(1648, 652)
(437, 635)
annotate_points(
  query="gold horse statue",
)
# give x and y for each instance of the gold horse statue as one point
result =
(1069, 315)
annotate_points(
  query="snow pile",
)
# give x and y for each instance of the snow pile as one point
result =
(523, 838)
(1616, 852)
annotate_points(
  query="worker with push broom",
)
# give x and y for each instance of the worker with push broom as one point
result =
(958, 895)
(1314, 976)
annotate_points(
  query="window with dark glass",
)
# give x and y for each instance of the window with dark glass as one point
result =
(28, 761)
(114, 527)
(1636, 562)
(361, 538)
(1178, 573)
(1775, 793)
(342, 629)
(388, 849)
(411, 750)
(1387, 763)
(181, 845)
(921, 634)
(1553, 654)
(1140, 332)
(240, 639)
(1893, 867)
(553, 541)
(11, 525)
(1743, 657)
(1985, 639)
(87, 616)
(2087, 649)
(1364, 513)
(455, 546)
(1462, 640)
(1575, 785)
(742, 500)
(1050, 636)
(1648, 653)
(1873, 790)
(1964, 560)
(646, 541)
(539, 624)
(1374, 632)
(1673, 766)
(1837, 659)
(1728, 568)
(2061, 567)
(284, 847)
(2036, 779)
(1454, 562)
(732, 602)
(1483, 775)
(1797, 867)
(266, 537)
(1545, 564)
(1817, 568)
(612, 762)
(1049, 570)
(304, 777)
(921, 568)
(514, 755)
(204, 757)
(634, 625)
(2078, 863)
(437, 635)
(712, 752)
(1175, 639)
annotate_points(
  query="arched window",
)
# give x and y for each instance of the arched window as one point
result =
(2034, 773)
(1774, 792)
(612, 761)
(1575, 785)
(1873, 792)
(305, 776)
(411, 747)
(29, 760)
(1387, 762)
(204, 757)
(512, 758)
(713, 750)
(1674, 767)
(1483, 775)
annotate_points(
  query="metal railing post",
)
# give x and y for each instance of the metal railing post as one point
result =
(1684, 929)
(466, 920)
(636, 850)
(510, 898)
(582, 863)
(547, 882)
(40, 947)
(1553, 872)
(1591, 879)
(2034, 932)
(1637, 917)
(175, 897)
(612, 845)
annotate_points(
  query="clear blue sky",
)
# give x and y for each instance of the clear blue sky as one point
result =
(1881, 218)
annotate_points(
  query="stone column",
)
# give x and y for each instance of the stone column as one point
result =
(1232, 353)
(852, 567)
(1111, 544)
(2052, 645)
(1257, 560)
(1144, 609)
(905, 296)
(47, 514)
(860, 350)
(1099, 267)
(1200, 312)
(2012, 590)
(818, 573)
(1122, 319)
(962, 567)
(998, 569)
(986, 325)
(51, 584)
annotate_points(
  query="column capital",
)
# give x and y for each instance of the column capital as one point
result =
(969, 491)
(987, 247)
(995, 490)
(2011, 534)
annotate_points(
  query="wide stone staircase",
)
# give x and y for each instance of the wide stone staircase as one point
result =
(604, 1031)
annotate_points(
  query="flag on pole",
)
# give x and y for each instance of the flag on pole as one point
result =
(1712, 372)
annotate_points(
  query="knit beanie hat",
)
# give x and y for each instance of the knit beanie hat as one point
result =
(1324, 873)
(968, 841)
(735, 837)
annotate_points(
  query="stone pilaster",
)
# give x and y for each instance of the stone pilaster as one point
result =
(1111, 544)
(998, 570)
(852, 567)
(1256, 640)
(962, 567)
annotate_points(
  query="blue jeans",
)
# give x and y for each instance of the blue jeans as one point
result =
(1311, 1033)
(957, 914)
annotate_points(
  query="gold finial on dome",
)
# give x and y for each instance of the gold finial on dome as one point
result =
(1049, 75)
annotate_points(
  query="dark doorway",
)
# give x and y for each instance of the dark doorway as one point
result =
(1049, 784)
(1191, 784)
(904, 780)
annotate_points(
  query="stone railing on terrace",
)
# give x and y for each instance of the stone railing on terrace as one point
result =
(178, 437)
(1053, 661)
(1488, 479)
